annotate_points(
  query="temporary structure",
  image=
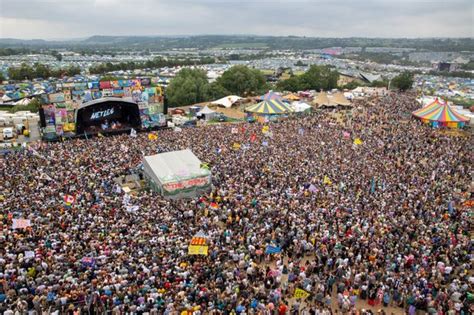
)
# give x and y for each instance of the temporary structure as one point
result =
(227, 101)
(176, 174)
(322, 100)
(24, 101)
(440, 114)
(207, 113)
(269, 107)
(300, 107)
(291, 97)
(341, 100)
(270, 96)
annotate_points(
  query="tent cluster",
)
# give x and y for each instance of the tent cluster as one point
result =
(440, 114)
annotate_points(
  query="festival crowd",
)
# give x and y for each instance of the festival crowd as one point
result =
(379, 224)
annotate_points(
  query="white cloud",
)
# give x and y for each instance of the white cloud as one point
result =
(337, 18)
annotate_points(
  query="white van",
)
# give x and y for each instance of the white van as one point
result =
(7, 133)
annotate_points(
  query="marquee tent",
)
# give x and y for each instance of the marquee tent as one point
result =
(440, 114)
(341, 100)
(269, 107)
(176, 174)
(322, 100)
(227, 101)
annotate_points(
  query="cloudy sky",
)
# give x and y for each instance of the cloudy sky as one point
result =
(59, 19)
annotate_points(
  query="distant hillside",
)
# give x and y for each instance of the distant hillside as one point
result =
(240, 41)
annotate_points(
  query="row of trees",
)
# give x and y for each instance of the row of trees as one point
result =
(191, 86)
(39, 70)
(316, 78)
(158, 62)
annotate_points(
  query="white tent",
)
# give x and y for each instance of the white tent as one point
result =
(176, 174)
(23, 101)
(5, 98)
(300, 106)
(207, 112)
(227, 101)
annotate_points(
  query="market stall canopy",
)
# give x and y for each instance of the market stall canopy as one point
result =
(440, 114)
(227, 101)
(269, 107)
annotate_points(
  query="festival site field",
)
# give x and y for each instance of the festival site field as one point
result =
(359, 211)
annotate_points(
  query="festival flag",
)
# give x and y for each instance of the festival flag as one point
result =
(100, 135)
(133, 133)
(69, 200)
(346, 135)
(265, 129)
(152, 137)
(235, 130)
(253, 137)
(358, 141)
(272, 249)
(372, 186)
(326, 180)
(301, 131)
(301, 294)
(205, 166)
(265, 143)
(312, 188)
(20, 223)
(214, 206)
(88, 262)
(236, 146)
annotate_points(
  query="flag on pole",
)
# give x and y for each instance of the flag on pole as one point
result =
(326, 180)
(69, 199)
(133, 133)
(100, 135)
(301, 294)
(152, 137)
(372, 186)
(358, 141)
(253, 137)
(301, 131)
(272, 249)
(20, 223)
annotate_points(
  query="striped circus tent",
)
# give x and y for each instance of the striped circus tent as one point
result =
(269, 107)
(440, 114)
(270, 96)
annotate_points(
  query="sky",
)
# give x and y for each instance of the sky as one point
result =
(64, 19)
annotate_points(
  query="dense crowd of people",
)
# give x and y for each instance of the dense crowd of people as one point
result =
(380, 223)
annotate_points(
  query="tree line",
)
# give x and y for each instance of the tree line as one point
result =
(191, 86)
(39, 70)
